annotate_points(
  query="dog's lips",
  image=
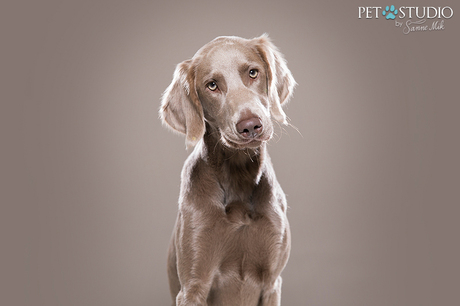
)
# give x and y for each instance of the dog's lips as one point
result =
(250, 143)
(247, 143)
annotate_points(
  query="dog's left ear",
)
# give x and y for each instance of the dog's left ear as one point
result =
(281, 83)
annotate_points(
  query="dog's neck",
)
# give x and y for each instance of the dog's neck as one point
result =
(237, 170)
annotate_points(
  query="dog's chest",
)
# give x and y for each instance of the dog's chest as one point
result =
(256, 240)
(256, 246)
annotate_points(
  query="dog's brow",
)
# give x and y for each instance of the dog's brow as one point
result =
(245, 66)
(249, 65)
(213, 75)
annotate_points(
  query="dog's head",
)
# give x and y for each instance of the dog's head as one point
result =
(235, 85)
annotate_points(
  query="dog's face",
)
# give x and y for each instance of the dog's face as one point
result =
(231, 82)
(235, 85)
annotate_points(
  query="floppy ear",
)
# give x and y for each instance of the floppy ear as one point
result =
(281, 83)
(181, 109)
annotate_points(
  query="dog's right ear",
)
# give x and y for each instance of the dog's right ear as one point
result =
(181, 109)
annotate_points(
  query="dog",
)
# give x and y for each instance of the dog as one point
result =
(231, 239)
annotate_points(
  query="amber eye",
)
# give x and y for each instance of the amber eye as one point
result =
(253, 73)
(212, 86)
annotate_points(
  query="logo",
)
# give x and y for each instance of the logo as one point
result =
(390, 12)
(410, 18)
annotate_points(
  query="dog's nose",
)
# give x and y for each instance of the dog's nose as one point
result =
(249, 128)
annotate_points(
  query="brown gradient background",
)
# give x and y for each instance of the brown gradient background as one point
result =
(90, 178)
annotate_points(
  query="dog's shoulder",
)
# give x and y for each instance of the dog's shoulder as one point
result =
(198, 181)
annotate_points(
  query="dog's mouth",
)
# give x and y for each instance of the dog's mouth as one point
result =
(250, 143)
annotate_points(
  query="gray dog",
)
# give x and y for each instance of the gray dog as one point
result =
(231, 240)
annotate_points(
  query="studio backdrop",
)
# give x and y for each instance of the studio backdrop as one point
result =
(90, 177)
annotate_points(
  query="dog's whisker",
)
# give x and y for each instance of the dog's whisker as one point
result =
(281, 129)
(296, 129)
(291, 125)
(248, 154)
(276, 137)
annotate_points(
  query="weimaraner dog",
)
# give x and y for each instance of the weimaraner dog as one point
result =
(231, 239)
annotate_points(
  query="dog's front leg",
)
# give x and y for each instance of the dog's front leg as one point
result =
(272, 296)
(197, 258)
(193, 294)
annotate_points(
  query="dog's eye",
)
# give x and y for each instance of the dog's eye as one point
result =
(253, 73)
(212, 86)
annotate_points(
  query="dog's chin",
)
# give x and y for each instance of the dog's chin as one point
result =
(242, 144)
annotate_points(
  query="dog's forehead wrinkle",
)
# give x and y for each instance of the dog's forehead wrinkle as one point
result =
(227, 58)
(229, 64)
(219, 62)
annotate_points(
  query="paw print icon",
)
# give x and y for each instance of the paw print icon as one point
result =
(390, 12)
